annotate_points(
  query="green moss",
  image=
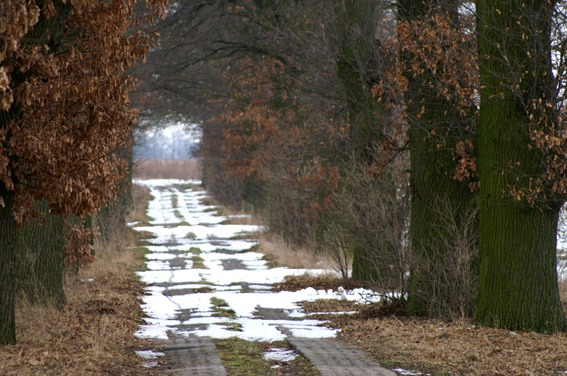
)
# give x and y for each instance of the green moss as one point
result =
(221, 308)
(303, 367)
(218, 302)
(240, 357)
(143, 251)
(195, 250)
(177, 213)
(232, 326)
(140, 265)
(198, 262)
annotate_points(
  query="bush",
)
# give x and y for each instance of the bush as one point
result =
(450, 267)
(368, 226)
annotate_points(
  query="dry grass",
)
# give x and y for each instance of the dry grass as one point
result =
(236, 217)
(279, 253)
(276, 251)
(94, 332)
(435, 346)
(329, 305)
(167, 169)
(140, 198)
(92, 335)
(318, 282)
(457, 348)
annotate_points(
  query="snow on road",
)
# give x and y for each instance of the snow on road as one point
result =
(195, 261)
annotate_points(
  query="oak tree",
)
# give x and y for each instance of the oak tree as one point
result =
(64, 110)
(521, 151)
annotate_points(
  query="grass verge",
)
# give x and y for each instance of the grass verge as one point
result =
(456, 348)
(241, 357)
(434, 346)
(277, 252)
(93, 334)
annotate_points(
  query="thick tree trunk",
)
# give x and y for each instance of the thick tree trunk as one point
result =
(8, 239)
(40, 258)
(357, 51)
(436, 195)
(518, 278)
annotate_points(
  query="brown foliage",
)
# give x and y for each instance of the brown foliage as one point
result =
(440, 52)
(77, 251)
(320, 282)
(63, 91)
(456, 348)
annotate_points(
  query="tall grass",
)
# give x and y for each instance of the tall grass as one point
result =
(167, 169)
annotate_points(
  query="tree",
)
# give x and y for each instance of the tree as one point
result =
(40, 257)
(439, 65)
(63, 111)
(519, 203)
(355, 27)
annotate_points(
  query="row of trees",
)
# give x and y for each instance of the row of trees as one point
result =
(64, 124)
(412, 136)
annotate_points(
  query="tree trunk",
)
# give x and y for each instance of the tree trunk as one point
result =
(430, 117)
(357, 51)
(518, 277)
(40, 258)
(8, 239)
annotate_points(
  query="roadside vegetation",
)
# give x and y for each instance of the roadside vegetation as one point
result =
(171, 169)
(417, 148)
(428, 345)
(241, 357)
(93, 333)
(434, 346)
(421, 145)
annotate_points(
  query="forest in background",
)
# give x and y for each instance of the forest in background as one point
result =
(421, 142)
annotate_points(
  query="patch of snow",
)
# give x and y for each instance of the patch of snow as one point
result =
(404, 372)
(280, 355)
(259, 313)
(149, 354)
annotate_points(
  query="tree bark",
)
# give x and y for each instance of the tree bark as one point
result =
(518, 277)
(357, 50)
(8, 240)
(432, 169)
(40, 258)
